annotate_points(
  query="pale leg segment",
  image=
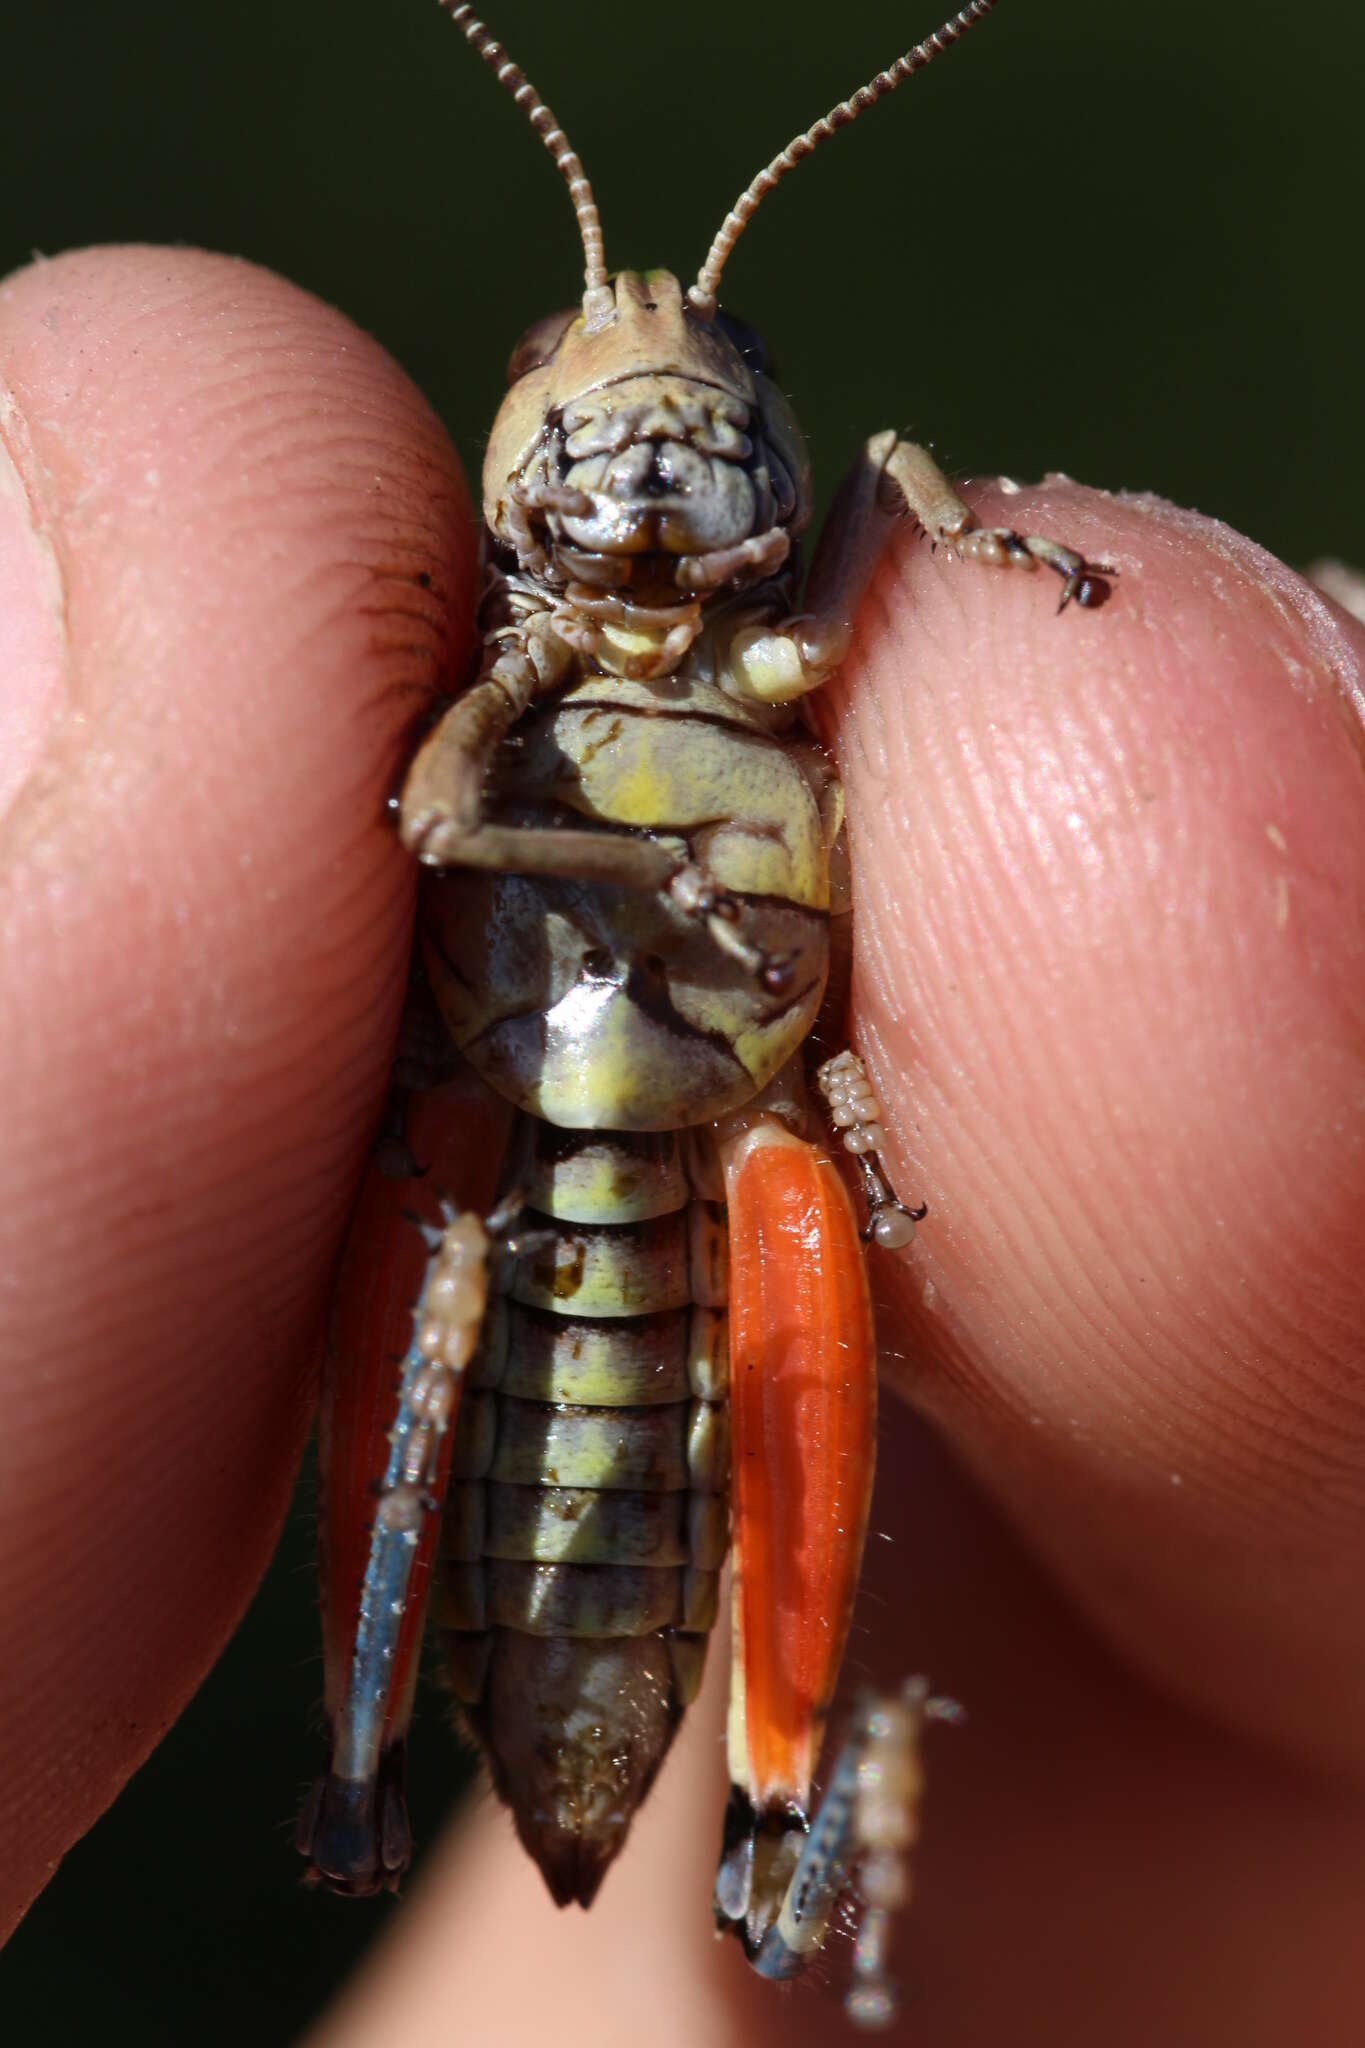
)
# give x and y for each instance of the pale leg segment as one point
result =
(855, 1113)
(894, 477)
(777, 663)
(913, 477)
(441, 809)
(859, 1841)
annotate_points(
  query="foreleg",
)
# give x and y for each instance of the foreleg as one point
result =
(441, 811)
(892, 479)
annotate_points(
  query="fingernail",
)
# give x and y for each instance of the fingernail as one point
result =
(32, 618)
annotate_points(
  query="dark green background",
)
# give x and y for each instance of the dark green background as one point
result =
(1115, 240)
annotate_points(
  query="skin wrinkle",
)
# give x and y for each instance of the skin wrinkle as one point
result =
(344, 580)
(1160, 1256)
(1036, 1233)
(1172, 1369)
(1070, 1388)
(1297, 602)
(1276, 1323)
(138, 1284)
(367, 457)
(1098, 815)
(1106, 1463)
(1264, 1395)
(980, 1064)
(1058, 1285)
(880, 941)
(1020, 840)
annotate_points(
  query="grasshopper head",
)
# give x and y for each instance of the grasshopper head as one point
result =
(643, 445)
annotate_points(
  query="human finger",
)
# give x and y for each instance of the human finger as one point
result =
(238, 557)
(1111, 982)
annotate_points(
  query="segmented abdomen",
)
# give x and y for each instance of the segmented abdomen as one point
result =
(588, 1517)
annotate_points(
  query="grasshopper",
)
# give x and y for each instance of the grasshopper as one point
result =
(659, 1346)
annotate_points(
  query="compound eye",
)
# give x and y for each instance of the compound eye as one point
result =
(539, 342)
(747, 340)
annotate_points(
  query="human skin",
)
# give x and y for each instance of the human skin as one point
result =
(1111, 984)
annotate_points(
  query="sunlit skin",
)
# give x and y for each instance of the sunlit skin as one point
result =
(1110, 981)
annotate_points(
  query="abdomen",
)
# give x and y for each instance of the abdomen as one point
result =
(588, 1520)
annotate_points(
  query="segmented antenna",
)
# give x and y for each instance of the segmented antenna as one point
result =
(597, 298)
(702, 295)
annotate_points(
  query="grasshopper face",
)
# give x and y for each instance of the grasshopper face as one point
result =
(646, 448)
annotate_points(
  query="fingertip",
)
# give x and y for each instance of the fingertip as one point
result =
(1111, 977)
(265, 557)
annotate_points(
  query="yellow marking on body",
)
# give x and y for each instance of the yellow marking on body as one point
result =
(763, 1047)
(600, 1364)
(597, 1272)
(756, 818)
(642, 1450)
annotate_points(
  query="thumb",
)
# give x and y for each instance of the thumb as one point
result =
(236, 549)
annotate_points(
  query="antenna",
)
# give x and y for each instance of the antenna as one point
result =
(597, 299)
(702, 295)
